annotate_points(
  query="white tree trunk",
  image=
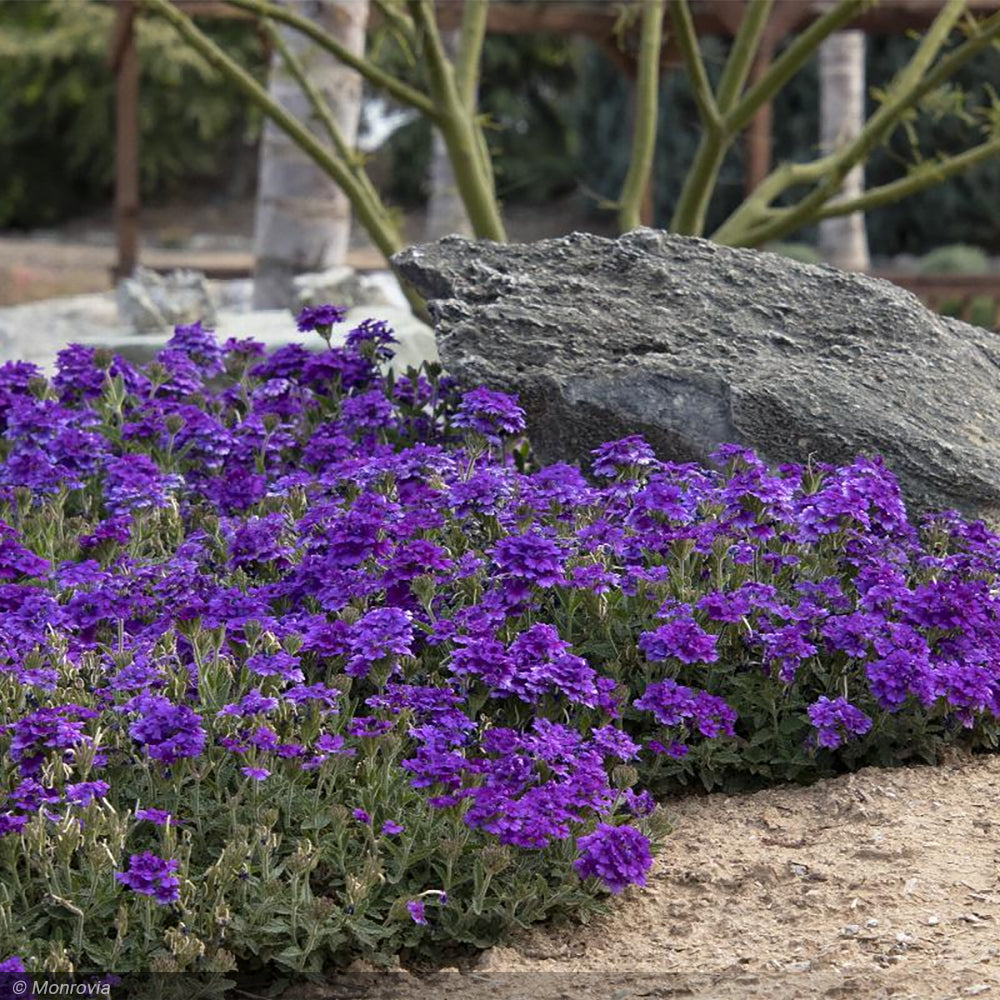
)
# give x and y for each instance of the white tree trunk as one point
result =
(445, 209)
(303, 219)
(843, 241)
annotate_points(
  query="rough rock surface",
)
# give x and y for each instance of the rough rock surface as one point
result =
(343, 285)
(693, 344)
(152, 303)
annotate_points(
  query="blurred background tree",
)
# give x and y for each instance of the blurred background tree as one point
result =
(966, 208)
(302, 220)
(57, 112)
(559, 113)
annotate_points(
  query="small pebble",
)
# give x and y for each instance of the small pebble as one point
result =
(850, 930)
(871, 922)
(933, 921)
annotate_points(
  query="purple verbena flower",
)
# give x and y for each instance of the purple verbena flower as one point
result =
(837, 720)
(615, 457)
(618, 855)
(531, 557)
(15, 560)
(380, 634)
(495, 415)
(682, 639)
(159, 817)
(167, 732)
(82, 793)
(149, 875)
(319, 318)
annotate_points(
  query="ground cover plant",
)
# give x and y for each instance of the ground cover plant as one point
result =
(301, 661)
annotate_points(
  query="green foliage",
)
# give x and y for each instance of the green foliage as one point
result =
(955, 259)
(399, 670)
(277, 875)
(57, 108)
(804, 253)
(527, 89)
(983, 312)
(409, 151)
(960, 259)
(525, 82)
(963, 209)
(317, 858)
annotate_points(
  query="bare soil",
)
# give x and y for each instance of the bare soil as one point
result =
(880, 884)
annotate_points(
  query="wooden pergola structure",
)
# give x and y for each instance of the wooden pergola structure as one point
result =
(593, 19)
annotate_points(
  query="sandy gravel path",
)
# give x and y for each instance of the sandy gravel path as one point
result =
(880, 884)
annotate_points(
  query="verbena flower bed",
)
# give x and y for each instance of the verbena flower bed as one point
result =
(301, 662)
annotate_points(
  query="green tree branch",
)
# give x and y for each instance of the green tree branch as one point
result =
(646, 116)
(460, 130)
(699, 182)
(467, 63)
(470, 50)
(798, 53)
(320, 107)
(725, 113)
(917, 180)
(701, 87)
(397, 20)
(741, 56)
(378, 78)
(756, 220)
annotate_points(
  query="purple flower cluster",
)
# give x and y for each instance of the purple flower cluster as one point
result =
(279, 572)
(682, 639)
(618, 855)
(149, 875)
(526, 788)
(135, 481)
(492, 414)
(837, 719)
(675, 705)
(319, 317)
(165, 731)
(15, 560)
(14, 979)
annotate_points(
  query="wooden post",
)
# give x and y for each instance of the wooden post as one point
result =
(125, 64)
(758, 134)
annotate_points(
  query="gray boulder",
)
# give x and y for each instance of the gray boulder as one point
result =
(693, 344)
(342, 286)
(339, 285)
(149, 302)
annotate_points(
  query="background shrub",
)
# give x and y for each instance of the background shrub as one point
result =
(956, 258)
(57, 111)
